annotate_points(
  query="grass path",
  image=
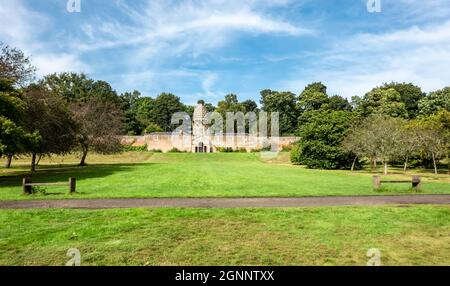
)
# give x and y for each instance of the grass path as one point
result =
(143, 175)
(418, 235)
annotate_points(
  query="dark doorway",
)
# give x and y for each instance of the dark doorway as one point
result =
(201, 148)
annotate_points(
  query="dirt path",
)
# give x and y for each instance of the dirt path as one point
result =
(228, 202)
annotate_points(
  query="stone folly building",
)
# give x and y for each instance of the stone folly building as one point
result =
(203, 140)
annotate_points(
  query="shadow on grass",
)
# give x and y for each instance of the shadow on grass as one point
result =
(53, 174)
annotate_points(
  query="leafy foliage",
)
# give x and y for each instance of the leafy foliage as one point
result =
(320, 143)
(285, 104)
(435, 101)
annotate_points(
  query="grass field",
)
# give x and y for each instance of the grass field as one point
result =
(145, 174)
(418, 235)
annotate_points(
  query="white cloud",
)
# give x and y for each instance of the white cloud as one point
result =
(151, 35)
(61, 62)
(186, 26)
(23, 28)
(354, 66)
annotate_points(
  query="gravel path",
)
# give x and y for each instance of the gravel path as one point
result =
(228, 202)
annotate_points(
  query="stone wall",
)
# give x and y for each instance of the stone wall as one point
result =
(166, 141)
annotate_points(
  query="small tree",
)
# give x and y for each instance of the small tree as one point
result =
(100, 124)
(431, 139)
(409, 143)
(378, 137)
(356, 143)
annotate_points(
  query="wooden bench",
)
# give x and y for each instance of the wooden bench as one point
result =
(416, 182)
(28, 185)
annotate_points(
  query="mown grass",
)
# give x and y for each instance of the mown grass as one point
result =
(143, 174)
(418, 235)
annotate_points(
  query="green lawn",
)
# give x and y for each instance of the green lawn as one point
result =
(416, 235)
(198, 175)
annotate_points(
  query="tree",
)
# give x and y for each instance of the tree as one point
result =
(15, 66)
(134, 123)
(410, 95)
(337, 102)
(432, 137)
(313, 97)
(47, 114)
(75, 87)
(152, 128)
(163, 107)
(435, 101)
(100, 124)
(381, 101)
(250, 106)
(285, 104)
(321, 139)
(13, 137)
(378, 137)
(355, 142)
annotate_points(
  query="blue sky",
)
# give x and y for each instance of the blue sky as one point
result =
(208, 48)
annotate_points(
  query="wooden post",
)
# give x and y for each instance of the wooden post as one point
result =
(376, 182)
(416, 183)
(27, 190)
(72, 185)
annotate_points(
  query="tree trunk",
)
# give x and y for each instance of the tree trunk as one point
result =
(33, 162)
(448, 160)
(385, 167)
(83, 157)
(406, 164)
(8, 161)
(39, 159)
(354, 163)
(434, 164)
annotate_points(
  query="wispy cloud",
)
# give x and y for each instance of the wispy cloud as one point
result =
(353, 66)
(23, 28)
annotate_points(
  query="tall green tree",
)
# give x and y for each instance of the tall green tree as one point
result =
(135, 124)
(163, 107)
(14, 139)
(381, 101)
(313, 97)
(76, 87)
(410, 95)
(285, 104)
(435, 101)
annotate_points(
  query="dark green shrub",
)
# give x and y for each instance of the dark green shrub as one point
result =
(130, 148)
(225, 149)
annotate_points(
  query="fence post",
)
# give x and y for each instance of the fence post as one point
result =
(376, 182)
(416, 183)
(26, 189)
(72, 185)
